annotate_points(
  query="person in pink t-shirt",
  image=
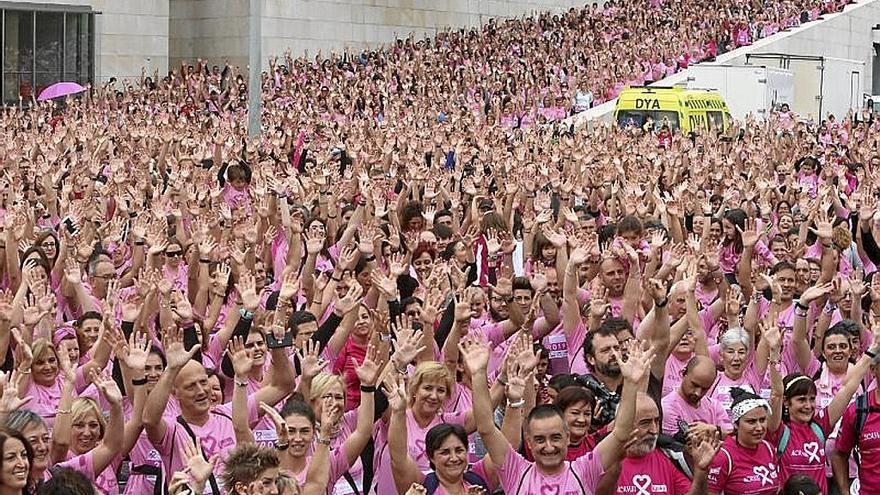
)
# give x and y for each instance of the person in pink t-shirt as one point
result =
(545, 432)
(746, 463)
(189, 382)
(446, 445)
(690, 403)
(867, 440)
(648, 471)
(296, 426)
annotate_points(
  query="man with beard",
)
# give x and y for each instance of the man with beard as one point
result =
(688, 404)
(646, 470)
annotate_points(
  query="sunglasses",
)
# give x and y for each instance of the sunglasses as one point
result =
(173, 254)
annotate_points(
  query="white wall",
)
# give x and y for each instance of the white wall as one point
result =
(217, 29)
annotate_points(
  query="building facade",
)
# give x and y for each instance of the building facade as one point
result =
(46, 41)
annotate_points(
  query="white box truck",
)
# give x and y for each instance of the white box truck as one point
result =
(822, 85)
(746, 89)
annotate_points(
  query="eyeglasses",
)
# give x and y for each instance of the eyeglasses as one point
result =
(173, 254)
(333, 396)
(106, 276)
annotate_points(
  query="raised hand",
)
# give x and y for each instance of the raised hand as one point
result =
(750, 234)
(280, 425)
(289, 285)
(815, 292)
(242, 360)
(310, 360)
(395, 390)
(516, 380)
(176, 354)
(196, 465)
(351, 299)
(10, 401)
(368, 371)
(703, 453)
(136, 352)
(247, 289)
(107, 386)
(407, 342)
(475, 353)
(638, 363)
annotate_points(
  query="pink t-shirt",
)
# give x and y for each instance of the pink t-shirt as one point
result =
(338, 466)
(217, 436)
(676, 409)
(84, 463)
(750, 381)
(869, 445)
(804, 453)
(566, 351)
(737, 470)
(672, 376)
(384, 480)
(651, 474)
(518, 476)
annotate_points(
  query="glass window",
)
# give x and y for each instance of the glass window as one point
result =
(640, 117)
(716, 120)
(49, 49)
(78, 48)
(18, 55)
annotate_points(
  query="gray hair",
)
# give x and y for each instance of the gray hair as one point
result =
(732, 336)
(20, 419)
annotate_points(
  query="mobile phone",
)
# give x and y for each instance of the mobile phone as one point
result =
(68, 224)
(273, 343)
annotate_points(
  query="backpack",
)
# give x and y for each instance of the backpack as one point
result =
(786, 434)
(674, 451)
(862, 412)
(432, 482)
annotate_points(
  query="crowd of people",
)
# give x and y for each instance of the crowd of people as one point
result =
(407, 285)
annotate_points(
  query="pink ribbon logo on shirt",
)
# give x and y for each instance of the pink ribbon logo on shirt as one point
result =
(642, 482)
(763, 473)
(812, 451)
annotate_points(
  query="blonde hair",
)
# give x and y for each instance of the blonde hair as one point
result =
(321, 383)
(82, 406)
(41, 345)
(429, 370)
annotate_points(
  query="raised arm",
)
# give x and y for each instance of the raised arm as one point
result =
(406, 471)
(242, 363)
(176, 357)
(368, 374)
(111, 446)
(475, 354)
(634, 370)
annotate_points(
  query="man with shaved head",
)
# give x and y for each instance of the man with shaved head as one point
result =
(689, 402)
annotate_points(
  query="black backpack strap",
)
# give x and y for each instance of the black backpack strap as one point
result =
(523, 478)
(475, 479)
(215, 488)
(578, 478)
(150, 470)
(431, 483)
(350, 479)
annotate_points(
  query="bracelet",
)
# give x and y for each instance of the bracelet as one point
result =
(281, 446)
(201, 260)
(322, 440)
(245, 314)
(665, 302)
(501, 380)
(830, 308)
(368, 389)
(62, 411)
(871, 354)
(801, 306)
(800, 313)
(516, 405)
(335, 279)
(241, 384)
(137, 382)
(25, 372)
(140, 243)
(399, 371)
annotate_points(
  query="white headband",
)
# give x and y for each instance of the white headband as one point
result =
(743, 407)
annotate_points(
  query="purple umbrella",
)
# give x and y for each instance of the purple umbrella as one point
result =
(60, 89)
